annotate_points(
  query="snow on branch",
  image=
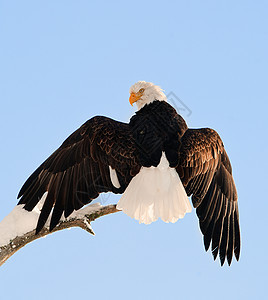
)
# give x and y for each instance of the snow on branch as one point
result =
(18, 228)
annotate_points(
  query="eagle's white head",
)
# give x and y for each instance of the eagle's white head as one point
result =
(143, 92)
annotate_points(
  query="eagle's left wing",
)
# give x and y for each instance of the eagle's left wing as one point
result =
(98, 157)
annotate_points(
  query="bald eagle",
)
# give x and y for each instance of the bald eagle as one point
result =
(155, 161)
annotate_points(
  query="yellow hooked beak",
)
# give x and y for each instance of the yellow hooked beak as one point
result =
(134, 97)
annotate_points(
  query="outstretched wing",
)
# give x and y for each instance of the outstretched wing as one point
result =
(80, 169)
(206, 173)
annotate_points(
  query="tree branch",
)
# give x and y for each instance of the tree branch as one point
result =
(11, 241)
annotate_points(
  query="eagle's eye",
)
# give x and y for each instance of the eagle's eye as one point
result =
(141, 90)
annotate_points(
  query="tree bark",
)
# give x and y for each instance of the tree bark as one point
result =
(81, 218)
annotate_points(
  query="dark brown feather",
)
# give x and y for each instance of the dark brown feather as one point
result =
(78, 170)
(206, 173)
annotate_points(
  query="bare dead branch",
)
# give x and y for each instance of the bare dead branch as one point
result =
(81, 218)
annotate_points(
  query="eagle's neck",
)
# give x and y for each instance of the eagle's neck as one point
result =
(150, 105)
(148, 99)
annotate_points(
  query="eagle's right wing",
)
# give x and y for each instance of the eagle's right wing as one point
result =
(206, 173)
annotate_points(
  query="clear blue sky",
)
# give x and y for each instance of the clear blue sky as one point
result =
(62, 62)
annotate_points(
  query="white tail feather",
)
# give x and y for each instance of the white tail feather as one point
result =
(155, 192)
